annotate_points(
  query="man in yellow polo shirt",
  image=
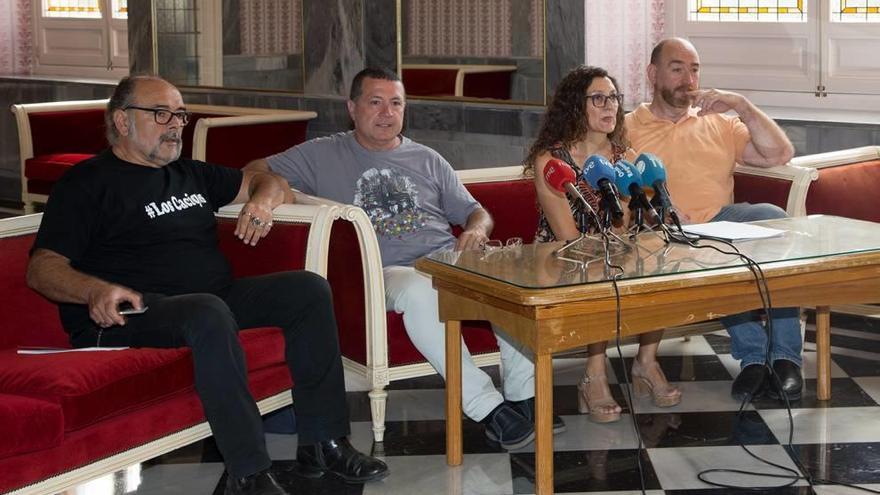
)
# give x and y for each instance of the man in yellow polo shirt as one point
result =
(686, 127)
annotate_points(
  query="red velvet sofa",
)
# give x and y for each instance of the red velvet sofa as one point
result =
(55, 136)
(374, 341)
(69, 417)
(471, 81)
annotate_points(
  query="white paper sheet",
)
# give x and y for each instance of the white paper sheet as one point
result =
(732, 231)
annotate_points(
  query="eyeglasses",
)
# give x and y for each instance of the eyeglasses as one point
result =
(494, 245)
(600, 101)
(162, 116)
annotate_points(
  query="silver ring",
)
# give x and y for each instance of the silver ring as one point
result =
(256, 222)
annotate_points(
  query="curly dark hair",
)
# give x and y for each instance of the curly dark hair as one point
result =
(565, 120)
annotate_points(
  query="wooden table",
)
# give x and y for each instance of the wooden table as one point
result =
(553, 305)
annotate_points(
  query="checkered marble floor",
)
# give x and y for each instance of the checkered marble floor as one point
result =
(837, 440)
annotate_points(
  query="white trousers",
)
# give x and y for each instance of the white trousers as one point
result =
(410, 292)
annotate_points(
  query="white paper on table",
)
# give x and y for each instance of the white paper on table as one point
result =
(732, 231)
(58, 350)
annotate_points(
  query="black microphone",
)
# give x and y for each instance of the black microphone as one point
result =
(599, 173)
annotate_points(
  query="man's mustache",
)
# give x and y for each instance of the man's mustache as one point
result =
(170, 136)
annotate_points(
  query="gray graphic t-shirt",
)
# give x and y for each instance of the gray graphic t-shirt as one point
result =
(410, 193)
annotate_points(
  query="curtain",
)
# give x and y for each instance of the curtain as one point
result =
(270, 27)
(619, 37)
(16, 37)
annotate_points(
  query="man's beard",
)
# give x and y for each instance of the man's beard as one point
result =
(168, 136)
(670, 96)
(153, 155)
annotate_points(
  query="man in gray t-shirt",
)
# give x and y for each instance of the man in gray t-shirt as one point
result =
(412, 195)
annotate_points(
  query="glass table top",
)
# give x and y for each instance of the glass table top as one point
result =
(537, 266)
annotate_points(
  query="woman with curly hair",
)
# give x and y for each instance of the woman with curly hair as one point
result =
(585, 117)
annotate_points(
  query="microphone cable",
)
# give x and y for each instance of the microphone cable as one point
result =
(764, 293)
(626, 379)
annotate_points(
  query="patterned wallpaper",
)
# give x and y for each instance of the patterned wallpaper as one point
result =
(16, 37)
(472, 28)
(271, 27)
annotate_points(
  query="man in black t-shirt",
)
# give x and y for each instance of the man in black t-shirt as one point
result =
(135, 226)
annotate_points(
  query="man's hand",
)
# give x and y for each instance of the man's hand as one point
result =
(254, 222)
(474, 238)
(104, 302)
(476, 231)
(717, 101)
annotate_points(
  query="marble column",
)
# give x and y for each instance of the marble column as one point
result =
(140, 38)
(334, 44)
(380, 33)
(565, 46)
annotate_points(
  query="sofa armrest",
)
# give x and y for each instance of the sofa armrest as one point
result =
(785, 185)
(837, 158)
(215, 139)
(319, 220)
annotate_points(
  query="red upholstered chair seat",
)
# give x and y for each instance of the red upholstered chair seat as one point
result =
(90, 386)
(52, 167)
(28, 425)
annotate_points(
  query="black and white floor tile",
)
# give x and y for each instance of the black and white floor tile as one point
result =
(836, 440)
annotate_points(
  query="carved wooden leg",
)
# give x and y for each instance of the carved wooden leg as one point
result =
(378, 397)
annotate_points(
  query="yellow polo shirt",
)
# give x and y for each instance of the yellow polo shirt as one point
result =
(699, 154)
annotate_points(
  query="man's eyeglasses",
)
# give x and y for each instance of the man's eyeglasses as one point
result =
(599, 100)
(162, 116)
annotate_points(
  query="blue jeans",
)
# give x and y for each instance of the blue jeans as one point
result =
(747, 334)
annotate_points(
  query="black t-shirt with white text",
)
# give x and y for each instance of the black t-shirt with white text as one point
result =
(150, 229)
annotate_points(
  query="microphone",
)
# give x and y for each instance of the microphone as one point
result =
(599, 173)
(654, 176)
(628, 179)
(561, 177)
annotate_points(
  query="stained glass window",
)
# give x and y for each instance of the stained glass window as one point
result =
(748, 10)
(79, 9)
(120, 9)
(855, 10)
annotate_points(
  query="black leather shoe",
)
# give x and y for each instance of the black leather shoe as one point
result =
(527, 409)
(789, 375)
(262, 483)
(339, 458)
(752, 380)
(508, 427)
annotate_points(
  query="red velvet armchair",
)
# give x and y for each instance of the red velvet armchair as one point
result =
(55, 136)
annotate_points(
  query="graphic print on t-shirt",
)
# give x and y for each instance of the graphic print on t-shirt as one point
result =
(174, 203)
(391, 200)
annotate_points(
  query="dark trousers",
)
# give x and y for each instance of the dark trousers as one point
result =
(298, 302)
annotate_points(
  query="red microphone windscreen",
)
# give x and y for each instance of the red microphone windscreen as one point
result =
(557, 173)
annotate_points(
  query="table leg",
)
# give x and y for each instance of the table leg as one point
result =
(453, 393)
(823, 352)
(543, 424)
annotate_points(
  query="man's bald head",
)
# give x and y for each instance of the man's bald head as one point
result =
(673, 44)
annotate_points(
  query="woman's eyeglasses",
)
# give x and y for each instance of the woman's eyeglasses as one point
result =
(600, 100)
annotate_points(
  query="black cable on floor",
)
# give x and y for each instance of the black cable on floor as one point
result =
(626, 381)
(794, 477)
